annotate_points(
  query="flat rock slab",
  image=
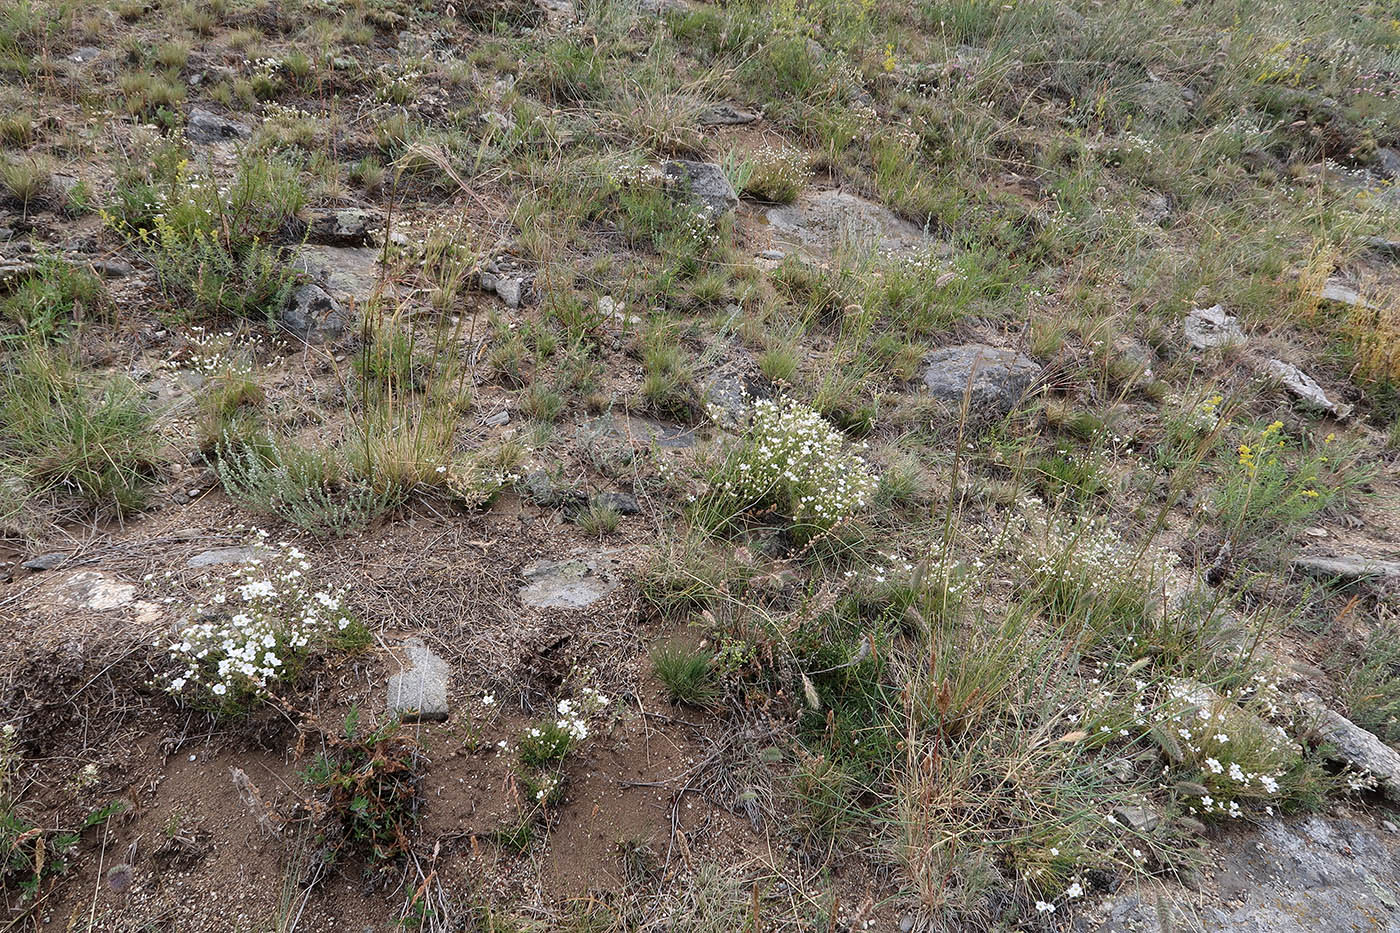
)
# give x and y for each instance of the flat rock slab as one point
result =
(45, 561)
(1211, 328)
(313, 315)
(1322, 874)
(1354, 745)
(349, 274)
(222, 555)
(419, 692)
(95, 590)
(1382, 247)
(727, 115)
(205, 127)
(823, 223)
(999, 379)
(1304, 388)
(707, 183)
(1349, 568)
(574, 583)
(640, 431)
(1340, 292)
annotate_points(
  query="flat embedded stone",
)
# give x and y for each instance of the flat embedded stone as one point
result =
(998, 379)
(573, 583)
(1211, 328)
(1354, 745)
(419, 692)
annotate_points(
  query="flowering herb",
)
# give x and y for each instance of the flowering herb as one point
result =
(255, 629)
(794, 460)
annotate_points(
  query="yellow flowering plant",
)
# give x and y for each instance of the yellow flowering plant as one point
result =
(1273, 482)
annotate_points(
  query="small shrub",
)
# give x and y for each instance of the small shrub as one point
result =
(598, 520)
(91, 438)
(304, 487)
(776, 176)
(41, 303)
(1087, 575)
(1371, 687)
(24, 181)
(547, 745)
(1276, 484)
(214, 251)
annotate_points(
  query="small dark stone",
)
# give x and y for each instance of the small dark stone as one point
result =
(45, 561)
(205, 127)
(622, 502)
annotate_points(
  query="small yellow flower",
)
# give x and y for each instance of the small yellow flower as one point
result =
(1329, 438)
(889, 57)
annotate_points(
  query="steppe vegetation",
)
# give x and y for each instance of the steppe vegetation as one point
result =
(809, 465)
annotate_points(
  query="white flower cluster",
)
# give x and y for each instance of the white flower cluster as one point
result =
(255, 626)
(573, 714)
(795, 459)
(1085, 552)
(1239, 756)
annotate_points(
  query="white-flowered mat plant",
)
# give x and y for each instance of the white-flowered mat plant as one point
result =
(793, 460)
(252, 629)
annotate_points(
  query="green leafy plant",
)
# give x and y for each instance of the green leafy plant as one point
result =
(368, 785)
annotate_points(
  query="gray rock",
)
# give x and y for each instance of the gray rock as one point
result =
(999, 379)
(1349, 568)
(313, 315)
(63, 183)
(621, 502)
(14, 271)
(349, 274)
(573, 583)
(506, 279)
(557, 11)
(222, 555)
(772, 255)
(1210, 328)
(1321, 874)
(350, 226)
(543, 489)
(727, 115)
(496, 419)
(205, 127)
(1354, 745)
(84, 54)
(111, 268)
(419, 693)
(45, 561)
(822, 223)
(1157, 209)
(640, 431)
(1140, 819)
(706, 182)
(1304, 388)
(729, 397)
(1342, 293)
(1388, 161)
(95, 590)
(1385, 249)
